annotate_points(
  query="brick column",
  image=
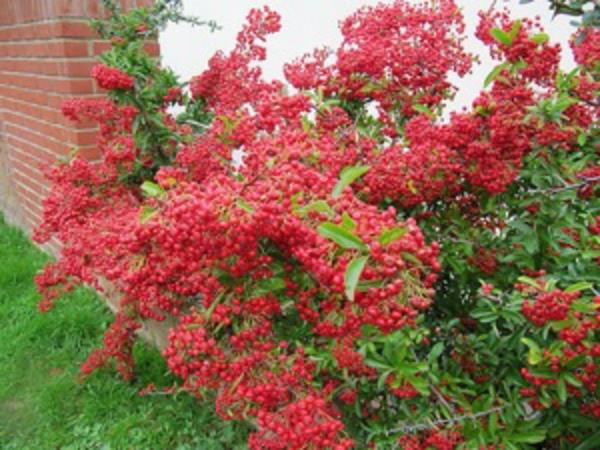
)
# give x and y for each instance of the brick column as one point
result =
(46, 53)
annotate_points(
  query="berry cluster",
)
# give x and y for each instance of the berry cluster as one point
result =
(111, 78)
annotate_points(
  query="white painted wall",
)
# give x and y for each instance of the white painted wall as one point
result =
(307, 24)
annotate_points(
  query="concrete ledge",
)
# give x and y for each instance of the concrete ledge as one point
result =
(154, 332)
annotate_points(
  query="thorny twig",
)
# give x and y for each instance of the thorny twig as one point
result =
(586, 180)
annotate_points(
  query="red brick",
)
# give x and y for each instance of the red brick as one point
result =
(46, 55)
(68, 8)
(34, 188)
(31, 205)
(31, 153)
(39, 98)
(95, 9)
(32, 209)
(34, 156)
(73, 29)
(53, 146)
(47, 30)
(66, 134)
(32, 222)
(36, 125)
(44, 49)
(100, 47)
(73, 68)
(146, 3)
(48, 84)
(45, 67)
(91, 153)
(33, 174)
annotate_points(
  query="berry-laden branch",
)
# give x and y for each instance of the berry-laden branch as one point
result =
(366, 263)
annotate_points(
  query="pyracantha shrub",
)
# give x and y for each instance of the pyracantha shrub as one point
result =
(346, 268)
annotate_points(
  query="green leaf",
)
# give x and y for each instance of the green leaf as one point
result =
(581, 286)
(530, 281)
(352, 275)
(377, 364)
(341, 236)
(347, 222)
(320, 206)
(514, 30)
(383, 378)
(590, 443)
(501, 36)
(421, 385)
(562, 390)
(423, 109)
(573, 380)
(540, 38)
(147, 213)
(494, 73)
(268, 285)
(591, 254)
(529, 437)
(245, 206)
(534, 356)
(347, 176)
(530, 243)
(152, 189)
(436, 351)
(391, 234)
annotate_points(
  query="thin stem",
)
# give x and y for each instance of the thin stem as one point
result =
(554, 190)
(435, 423)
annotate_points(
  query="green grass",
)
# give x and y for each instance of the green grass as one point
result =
(43, 402)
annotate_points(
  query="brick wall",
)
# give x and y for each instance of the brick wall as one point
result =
(46, 54)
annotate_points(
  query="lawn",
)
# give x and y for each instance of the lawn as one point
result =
(43, 402)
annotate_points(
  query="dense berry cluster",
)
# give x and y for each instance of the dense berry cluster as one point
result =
(111, 78)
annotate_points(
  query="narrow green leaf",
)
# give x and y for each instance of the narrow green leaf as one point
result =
(423, 109)
(341, 236)
(152, 189)
(530, 243)
(573, 380)
(581, 286)
(147, 213)
(529, 281)
(320, 206)
(383, 378)
(268, 285)
(540, 38)
(592, 254)
(245, 206)
(590, 443)
(494, 73)
(391, 234)
(352, 275)
(534, 356)
(347, 176)
(421, 385)
(562, 390)
(501, 36)
(348, 223)
(529, 437)
(436, 351)
(514, 30)
(377, 364)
